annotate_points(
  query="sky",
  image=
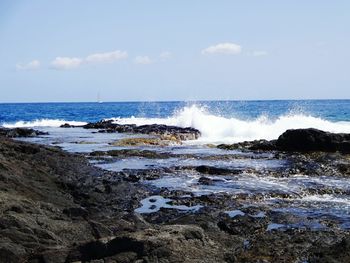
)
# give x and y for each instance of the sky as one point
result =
(52, 51)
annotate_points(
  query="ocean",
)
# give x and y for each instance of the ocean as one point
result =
(218, 121)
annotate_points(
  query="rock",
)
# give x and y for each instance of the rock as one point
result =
(75, 212)
(306, 140)
(20, 132)
(48, 202)
(67, 125)
(337, 253)
(205, 169)
(299, 140)
(173, 243)
(170, 132)
(158, 141)
(262, 145)
(103, 124)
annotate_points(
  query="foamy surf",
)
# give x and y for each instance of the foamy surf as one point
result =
(41, 123)
(216, 128)
(219, 129)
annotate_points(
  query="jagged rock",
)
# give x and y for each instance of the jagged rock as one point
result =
(158, 141)
(173, 132)
(298, 140)
(263, 145)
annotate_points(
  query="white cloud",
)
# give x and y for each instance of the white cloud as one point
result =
(33, 65)
(259, 53)
(107, 57)
(62, 63)
(223, 48)
(143, 60)
(165, 55)
(65, 63)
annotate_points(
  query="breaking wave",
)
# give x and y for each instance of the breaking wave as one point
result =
(216, 128)
(219, 129)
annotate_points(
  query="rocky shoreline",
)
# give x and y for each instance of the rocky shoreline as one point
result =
(58, 207)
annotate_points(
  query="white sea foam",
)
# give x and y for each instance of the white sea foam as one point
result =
(216, 128)
(41, 123)
(219, 129)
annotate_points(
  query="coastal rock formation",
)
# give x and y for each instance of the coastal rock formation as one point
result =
(174, 132)
(20, 132)
(305, 140)
(298, 140)
(56, 207)
(158, 141)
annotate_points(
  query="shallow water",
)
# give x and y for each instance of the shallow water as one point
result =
(255, 183)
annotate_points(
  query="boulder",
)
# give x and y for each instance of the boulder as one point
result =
(306, 140)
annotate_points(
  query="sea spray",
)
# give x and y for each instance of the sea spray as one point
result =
(219, 129)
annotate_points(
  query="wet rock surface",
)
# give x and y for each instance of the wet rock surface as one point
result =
(298, 140)
(230, 206)
(173, 133)
(20, 132)
(313, 140)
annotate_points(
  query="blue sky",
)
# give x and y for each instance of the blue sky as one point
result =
(173, 50)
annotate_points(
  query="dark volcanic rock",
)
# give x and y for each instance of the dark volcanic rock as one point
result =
(299, 140)
(263, 145)
(67, 125)
(153, 129)
(339, 252)
(205, 169)
(48, 200)
(305, 140)
(20, 132)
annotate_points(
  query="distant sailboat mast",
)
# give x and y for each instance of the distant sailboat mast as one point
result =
(99, 97)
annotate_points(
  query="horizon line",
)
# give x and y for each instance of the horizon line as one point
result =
(165, 101)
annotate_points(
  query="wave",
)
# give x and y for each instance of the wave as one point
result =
(41, 123)
(219, 129)
(216, 128)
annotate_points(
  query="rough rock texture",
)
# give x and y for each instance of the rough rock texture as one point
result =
(55, 207)
(53, 200)
(20, 132)
(173, 132)
(298, 140)
(304, 140)
(158, 141)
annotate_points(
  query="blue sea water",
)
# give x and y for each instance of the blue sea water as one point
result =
(235, 120)
(333, 110)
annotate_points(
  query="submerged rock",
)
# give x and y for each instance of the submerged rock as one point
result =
(133, 153)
